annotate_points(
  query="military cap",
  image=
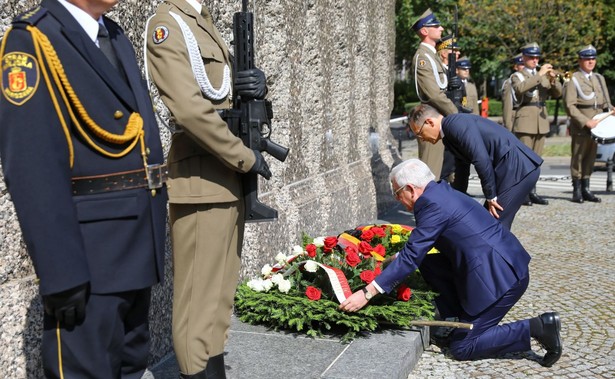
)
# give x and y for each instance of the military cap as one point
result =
(587, 52)
(464, 62)
(517, 59)
(426, 19)
(531, 50)
(447, 42)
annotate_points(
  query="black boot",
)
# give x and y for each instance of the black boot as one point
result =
(213, 370)
(527, 201)
(576, 191)
(586, 193)
(537, 199)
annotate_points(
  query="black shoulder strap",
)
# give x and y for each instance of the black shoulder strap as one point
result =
(31, 17)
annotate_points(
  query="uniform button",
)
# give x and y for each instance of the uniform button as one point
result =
(118, 114)
(147, 150)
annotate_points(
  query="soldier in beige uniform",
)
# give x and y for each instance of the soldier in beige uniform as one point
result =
(532, 88)
(585, 95)
(463, 70)
(191, 67)
(431, 83)
(509, 101)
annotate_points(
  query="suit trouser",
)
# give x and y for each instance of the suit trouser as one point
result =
(584, 150)
(487, 338)
(432, 155)
(112, 342)
(512, 198)
(207, 241)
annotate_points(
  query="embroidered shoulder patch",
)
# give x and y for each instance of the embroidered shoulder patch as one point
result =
(421, 62)
(20, 77)
(160, 34)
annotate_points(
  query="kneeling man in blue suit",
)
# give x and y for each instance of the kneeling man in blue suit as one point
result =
(480, 272)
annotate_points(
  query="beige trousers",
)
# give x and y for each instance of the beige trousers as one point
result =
(432, 155)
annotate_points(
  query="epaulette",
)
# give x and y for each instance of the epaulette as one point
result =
(31, 17)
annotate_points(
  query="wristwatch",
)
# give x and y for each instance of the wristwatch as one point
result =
(368, 295)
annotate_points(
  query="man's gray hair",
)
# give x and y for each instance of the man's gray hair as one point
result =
(412, 171)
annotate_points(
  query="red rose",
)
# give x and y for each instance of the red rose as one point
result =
(367, 235)
(351, 249)
(404, 293)
(379, 249)
(365, 248)
(330, 243)
(377, 271)
(311, 250)
(378, 231)
(352, 259)
(313, 293)
(367, 276)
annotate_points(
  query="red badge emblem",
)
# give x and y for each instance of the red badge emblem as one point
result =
(20, 77)
(160, 34)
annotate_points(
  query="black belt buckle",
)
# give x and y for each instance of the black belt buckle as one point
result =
(156, 175)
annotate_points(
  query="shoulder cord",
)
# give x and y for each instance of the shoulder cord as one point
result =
(134, 128)
(528, 93)
(199, 69)
(441, 84)
(580, 92)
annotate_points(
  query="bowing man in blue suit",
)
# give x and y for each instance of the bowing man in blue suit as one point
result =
(508, 170)
(480, 272)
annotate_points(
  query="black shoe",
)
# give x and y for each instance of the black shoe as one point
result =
(534, 198)
(214, 370)
(550, 339)
(527, 203)
(586, 193)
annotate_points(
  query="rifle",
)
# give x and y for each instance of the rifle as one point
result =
(455, 92)
(255, 118)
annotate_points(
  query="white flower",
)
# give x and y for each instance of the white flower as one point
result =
(277, 278)
(260, 285)
(281, 258)
(266, 270)
(319, 241)
(297, 250)
(310, 266)
(284, 286)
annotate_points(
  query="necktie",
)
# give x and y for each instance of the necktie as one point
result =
(105, 45)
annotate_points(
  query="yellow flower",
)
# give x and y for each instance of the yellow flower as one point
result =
(395, 238)
(396, 228)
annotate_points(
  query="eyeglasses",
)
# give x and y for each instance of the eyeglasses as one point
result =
(418, 134)
(397, 191)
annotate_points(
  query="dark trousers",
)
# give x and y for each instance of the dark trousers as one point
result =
(112, 341)
(488, 338)
(513, 197)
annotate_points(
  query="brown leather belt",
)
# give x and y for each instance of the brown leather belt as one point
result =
(155, 176)
(591, 106)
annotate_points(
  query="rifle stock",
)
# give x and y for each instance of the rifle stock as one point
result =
(255, 119)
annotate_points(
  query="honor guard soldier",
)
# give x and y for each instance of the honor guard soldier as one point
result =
(191, 65)
(430, 79)
(444, 47)
(463, 70)
(509, 100)
(532, 88)
(83, 163)
(585, 95)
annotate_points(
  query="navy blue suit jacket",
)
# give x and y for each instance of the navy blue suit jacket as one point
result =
(486, 258)
(114, 240)
(499, 158)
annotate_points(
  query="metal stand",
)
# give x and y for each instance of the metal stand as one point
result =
(609, 175)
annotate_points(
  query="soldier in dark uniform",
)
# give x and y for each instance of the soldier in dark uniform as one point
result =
(431, 83)
(82, 160)
(585, 95)
(509, 101)
(532, 88)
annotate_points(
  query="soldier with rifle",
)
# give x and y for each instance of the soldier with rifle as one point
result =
(209, 161)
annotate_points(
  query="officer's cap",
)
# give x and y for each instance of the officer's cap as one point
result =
(464, 62)
(426, 19)
(531, 50)
(447, 42)
(587, 52)
(517, 59)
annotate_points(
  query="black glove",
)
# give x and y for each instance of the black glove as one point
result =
(260, 166)
(68, 307)
(454, 83)
(251, 83)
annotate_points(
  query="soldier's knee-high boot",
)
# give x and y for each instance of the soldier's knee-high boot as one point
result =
(214, 369)
(537, 199)
(586, 193)
(577, 197)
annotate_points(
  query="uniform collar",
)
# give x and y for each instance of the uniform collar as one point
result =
(196, 5)
(433, 49)
(89, 25)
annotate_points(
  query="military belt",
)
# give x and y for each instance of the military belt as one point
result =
(155, 176)
(534, 104)
(591, 106)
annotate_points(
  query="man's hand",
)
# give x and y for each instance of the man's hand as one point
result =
(493, 207)
(354, 302)
(455, 83)
(260, 166)
(251, 83)
(68, 307)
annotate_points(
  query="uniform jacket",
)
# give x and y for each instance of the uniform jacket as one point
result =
(508, 105)
(115, 240)
(531, 92)
(581, 110)
(206, 159)
(472, 97)
(426, 81)
(486, 259)
(500, 159)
